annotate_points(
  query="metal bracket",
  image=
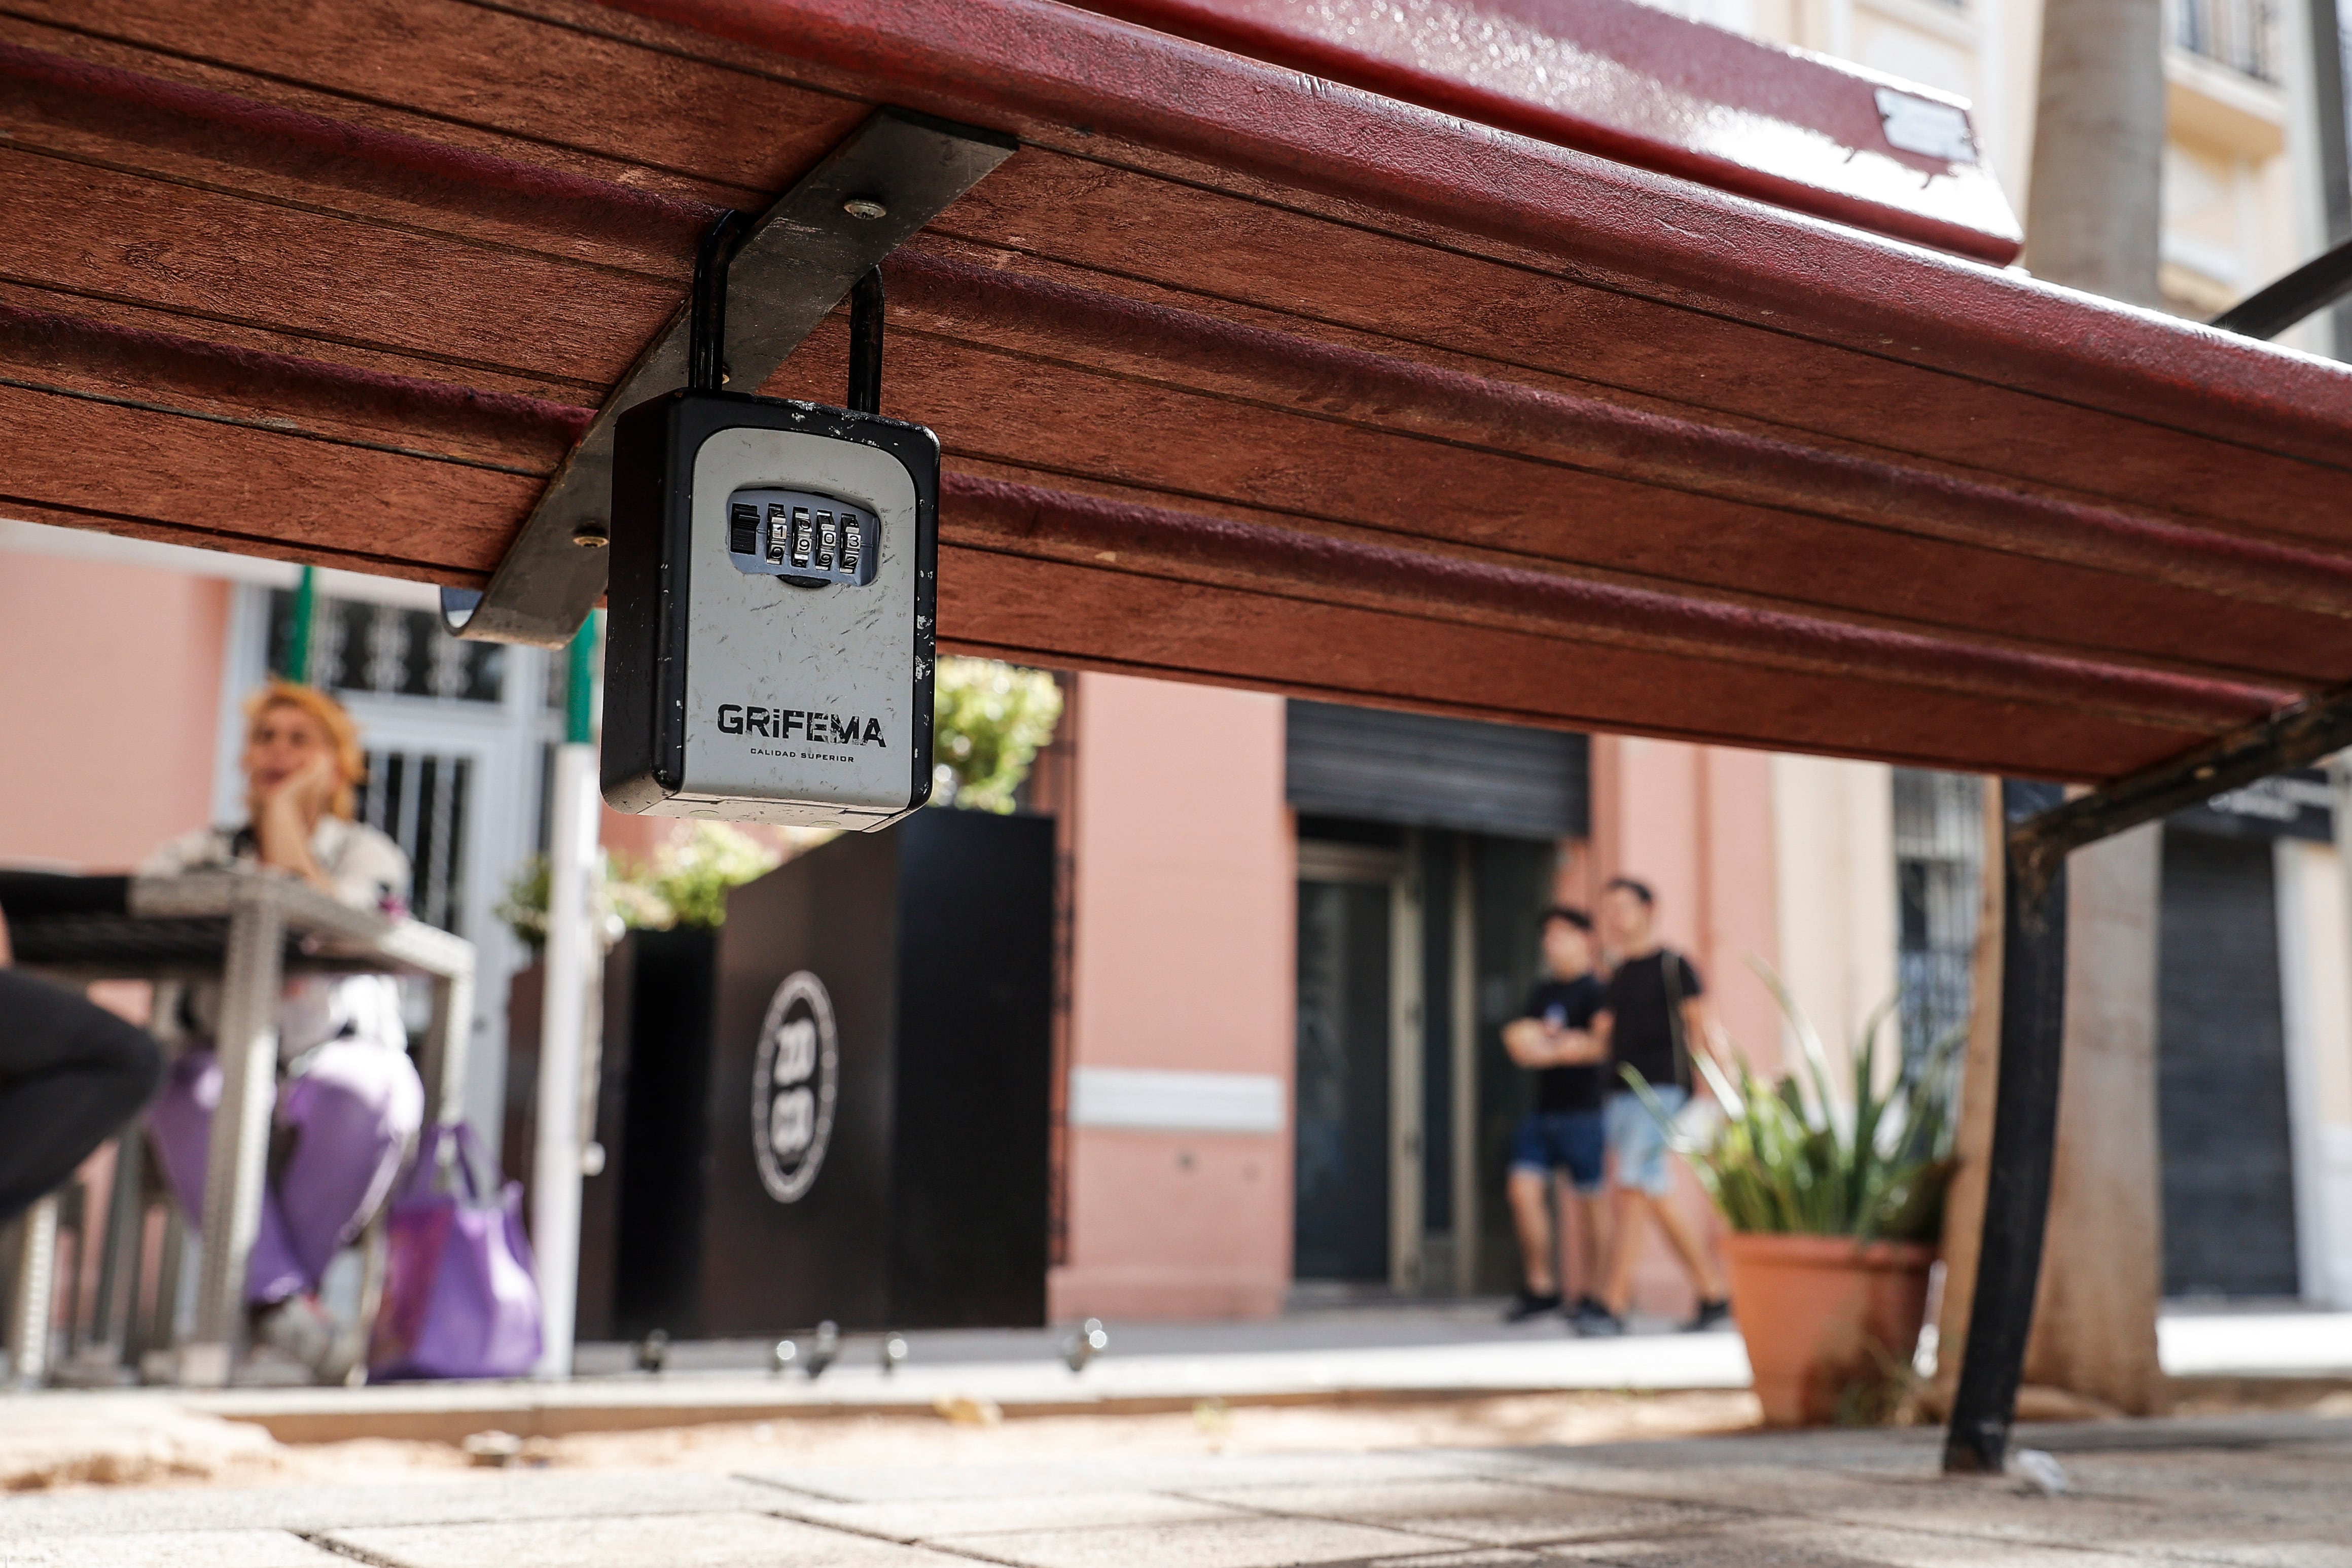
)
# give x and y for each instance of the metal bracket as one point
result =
(2312, 286)
(890, 177)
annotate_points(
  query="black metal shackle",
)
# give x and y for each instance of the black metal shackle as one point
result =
(706, 362)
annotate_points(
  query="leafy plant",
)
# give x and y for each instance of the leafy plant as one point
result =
(1794, 1156)
(685, 885)
(990, 721)
(692, 877)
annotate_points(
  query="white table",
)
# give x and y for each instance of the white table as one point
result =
(248, 929)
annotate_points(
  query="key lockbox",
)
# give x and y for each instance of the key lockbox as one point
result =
(769, 642)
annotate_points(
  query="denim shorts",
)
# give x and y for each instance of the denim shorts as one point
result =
(1638, 1141)
(1569, 1141)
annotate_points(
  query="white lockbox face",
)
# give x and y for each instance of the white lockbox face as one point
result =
(799, 697)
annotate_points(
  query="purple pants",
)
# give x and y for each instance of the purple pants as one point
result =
(352, 1109)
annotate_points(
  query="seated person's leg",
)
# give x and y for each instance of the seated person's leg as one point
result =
(70, 1074)
(353, 1110)
(180, 1127)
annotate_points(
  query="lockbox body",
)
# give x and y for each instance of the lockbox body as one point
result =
(768, 640)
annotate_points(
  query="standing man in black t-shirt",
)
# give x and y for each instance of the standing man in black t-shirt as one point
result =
(1564, 1132)
(1655, 1016)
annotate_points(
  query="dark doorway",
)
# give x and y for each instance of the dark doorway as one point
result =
(1342, 1179)
(2228, 1182)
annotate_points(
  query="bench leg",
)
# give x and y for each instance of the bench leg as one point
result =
(2024, 1149)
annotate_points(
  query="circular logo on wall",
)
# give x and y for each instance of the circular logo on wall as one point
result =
(792, 1086)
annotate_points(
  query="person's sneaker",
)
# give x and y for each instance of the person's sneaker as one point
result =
(1709, 1313)
(1530, 1305)
(303, 1329)
(1600, 1323)
(1583, 1311)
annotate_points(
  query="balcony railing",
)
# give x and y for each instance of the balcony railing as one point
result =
(2240, 34)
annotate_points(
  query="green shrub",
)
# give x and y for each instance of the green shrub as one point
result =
(1794, 1156)
(685, 884)
(990, 722)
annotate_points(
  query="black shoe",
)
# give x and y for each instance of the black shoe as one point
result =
(1530, 1305)
(1600, 1323)
(1709, 1313)
(1585, 1309)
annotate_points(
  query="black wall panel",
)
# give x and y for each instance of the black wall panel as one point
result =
(2228, 1182)
(1423, 772)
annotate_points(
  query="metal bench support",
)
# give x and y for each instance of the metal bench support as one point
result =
(2041, 833)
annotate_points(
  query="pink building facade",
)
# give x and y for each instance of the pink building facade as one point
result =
(1187, 1028)
(1279, 1076)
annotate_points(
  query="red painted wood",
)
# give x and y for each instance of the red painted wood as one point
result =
(250, 491)
(285, 393)
(1038, 67)
(323, 354)
(1187, 547)
(1299, 466)
(291, 89)
(489, 68)
(1356, 390)
(1547, 320)
(93, 111)
(1637, 84)
(1065, 616)
(1415, 411)
(210, 254)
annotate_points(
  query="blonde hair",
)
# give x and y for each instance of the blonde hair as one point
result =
(343, 735)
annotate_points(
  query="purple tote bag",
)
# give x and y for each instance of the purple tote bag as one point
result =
(460, 1296)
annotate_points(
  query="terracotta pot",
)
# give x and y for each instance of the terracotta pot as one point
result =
(1823, 1314)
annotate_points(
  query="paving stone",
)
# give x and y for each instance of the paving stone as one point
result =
(1173, 1472)
(2285, 1472)
(638, 1541)
(2182, 1531)
(445, 1498)
(931, 1518)
(1203, 1543)
(1746, 1488)
(170, 1548)
(1875, 1450)
(1502, 1513)
(1805, 1543)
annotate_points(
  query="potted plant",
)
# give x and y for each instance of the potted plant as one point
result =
(1834, 1203)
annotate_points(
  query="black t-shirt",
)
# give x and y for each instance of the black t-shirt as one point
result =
(1639, 1035)
(1567, 1004)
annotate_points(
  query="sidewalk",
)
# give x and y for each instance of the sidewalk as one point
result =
(1423, 1353)
(2239, 1492)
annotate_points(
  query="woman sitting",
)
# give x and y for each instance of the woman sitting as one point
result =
(349, 1101)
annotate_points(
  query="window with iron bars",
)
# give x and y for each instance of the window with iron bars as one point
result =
(1938, 876)
(389, 650)
(2240, 34)
(419, 798)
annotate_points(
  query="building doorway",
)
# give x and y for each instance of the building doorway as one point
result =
(1427, 847)
(1354, 993)
(1415, 946)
